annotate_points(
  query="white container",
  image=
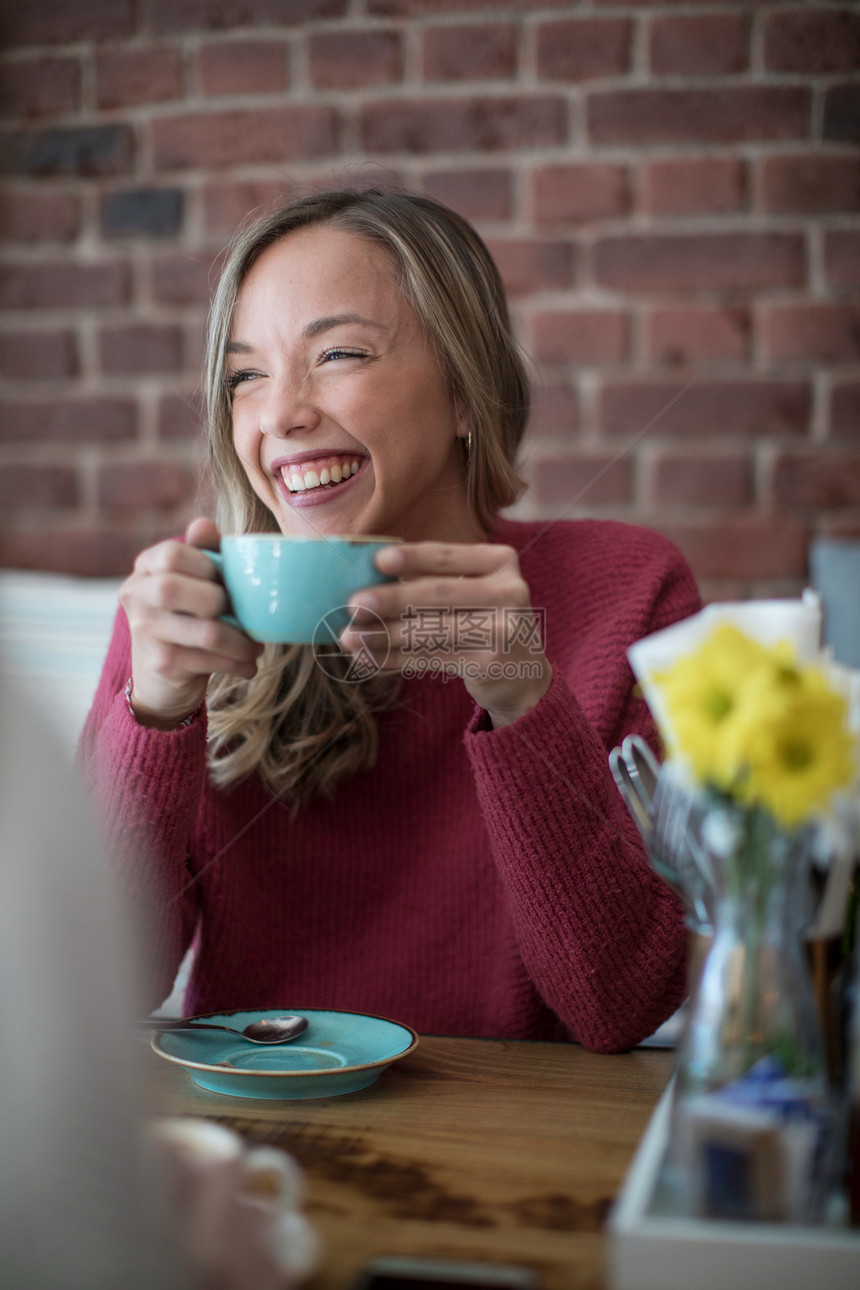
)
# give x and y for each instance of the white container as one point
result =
(650, 1251)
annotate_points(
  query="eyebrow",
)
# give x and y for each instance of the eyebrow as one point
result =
(320, 325)
(313, 329)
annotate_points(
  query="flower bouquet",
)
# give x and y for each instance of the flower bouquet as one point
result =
(759, 741)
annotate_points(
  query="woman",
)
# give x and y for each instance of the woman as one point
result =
(446, 848)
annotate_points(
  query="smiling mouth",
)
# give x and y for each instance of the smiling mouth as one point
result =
(299, 480)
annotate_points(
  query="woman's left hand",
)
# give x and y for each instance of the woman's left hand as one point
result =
(460, 609)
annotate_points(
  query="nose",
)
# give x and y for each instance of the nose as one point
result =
(287, 408)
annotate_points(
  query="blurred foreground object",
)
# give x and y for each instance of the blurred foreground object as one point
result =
(74, 1210)
(88, 1199)
(234, 1209)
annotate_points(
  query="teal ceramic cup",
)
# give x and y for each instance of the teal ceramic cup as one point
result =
(295, 589)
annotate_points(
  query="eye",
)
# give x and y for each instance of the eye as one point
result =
(339, 352)
(233, 379)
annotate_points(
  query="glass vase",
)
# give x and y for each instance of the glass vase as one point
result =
(753, 1109)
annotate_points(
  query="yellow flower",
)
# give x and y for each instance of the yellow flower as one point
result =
(753, 723)
(701, 692)
(792, 747)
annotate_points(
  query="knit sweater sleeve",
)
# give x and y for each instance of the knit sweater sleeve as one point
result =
(146, 787)
(600, 934)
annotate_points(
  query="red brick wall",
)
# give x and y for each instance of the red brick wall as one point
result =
(672, 192)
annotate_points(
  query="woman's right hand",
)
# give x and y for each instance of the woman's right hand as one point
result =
(173, 600)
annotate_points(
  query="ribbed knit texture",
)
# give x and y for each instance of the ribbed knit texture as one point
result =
(475, 882)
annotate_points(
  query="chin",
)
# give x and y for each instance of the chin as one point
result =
(310, 523)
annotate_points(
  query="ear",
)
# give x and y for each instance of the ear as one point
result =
(462, 422)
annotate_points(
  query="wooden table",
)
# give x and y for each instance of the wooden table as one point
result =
(495, 1150)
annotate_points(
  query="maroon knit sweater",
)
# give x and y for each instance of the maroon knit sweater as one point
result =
(474, 882)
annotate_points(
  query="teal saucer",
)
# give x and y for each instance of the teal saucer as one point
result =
(340, 1052)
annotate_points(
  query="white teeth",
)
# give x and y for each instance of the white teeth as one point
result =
(297, 483)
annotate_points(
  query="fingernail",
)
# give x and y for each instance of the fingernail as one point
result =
(364, 600)
(390, 559)
(350, 641)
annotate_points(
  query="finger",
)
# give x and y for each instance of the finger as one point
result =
(355, 640)
(398, 643)
(412, 559)
(176, 557)
(176, 593)
(213, 638)
(399, 600)
(203, 532)
(170, 660)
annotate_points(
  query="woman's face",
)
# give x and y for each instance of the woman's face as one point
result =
(341, 416)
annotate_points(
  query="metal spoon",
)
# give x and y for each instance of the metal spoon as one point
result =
(272, 1030)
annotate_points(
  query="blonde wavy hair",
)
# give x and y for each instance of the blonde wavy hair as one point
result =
(297, 724)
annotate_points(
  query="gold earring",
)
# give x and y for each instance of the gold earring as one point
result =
(469, 444)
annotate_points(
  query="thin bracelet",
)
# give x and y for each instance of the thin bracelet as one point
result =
(186, 721)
